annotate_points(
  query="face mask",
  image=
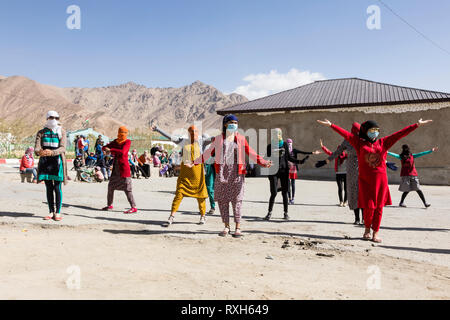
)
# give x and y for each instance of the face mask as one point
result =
(373, 135)
(232, 127)
(52, 124)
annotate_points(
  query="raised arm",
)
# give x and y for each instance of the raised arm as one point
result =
(390, 140)
(326, 150)
(340, 149)
(350, 137)
(393, 155)
(168, 136)
(421, 154)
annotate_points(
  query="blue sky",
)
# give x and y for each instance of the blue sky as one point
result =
(222, 42)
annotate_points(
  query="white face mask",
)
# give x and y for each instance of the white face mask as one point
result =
(52, 124)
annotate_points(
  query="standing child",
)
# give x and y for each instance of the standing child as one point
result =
(408, 174)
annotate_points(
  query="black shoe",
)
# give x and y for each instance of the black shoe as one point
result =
(427, 205)
(356, 222)
(402, 205)
(267, 217)
(286, 216)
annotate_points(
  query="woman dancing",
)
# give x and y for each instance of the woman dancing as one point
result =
(408, 174)
(373, 192)
(352, 172)
(50, 146)
(293, 169)
(340, 168)
(230, 149)
(191, 181)
(282, 173)
(121, 174)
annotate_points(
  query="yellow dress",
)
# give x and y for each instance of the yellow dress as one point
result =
(191, 181)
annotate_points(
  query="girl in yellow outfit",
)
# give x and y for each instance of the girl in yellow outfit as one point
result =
(191, 181)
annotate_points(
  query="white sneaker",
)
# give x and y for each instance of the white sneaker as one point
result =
(169, 222)
(202, 220)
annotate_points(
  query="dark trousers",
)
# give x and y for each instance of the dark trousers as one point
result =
(341, 179)
(291, 189)
(54, 191)
(283, 176)
(145, 170)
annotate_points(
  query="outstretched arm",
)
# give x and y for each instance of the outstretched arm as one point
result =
(390, 140)
(326, 150)
(350, 137)
(342, 147)
(257, 158)
(421, 154)
(393, 155)
(168, 136)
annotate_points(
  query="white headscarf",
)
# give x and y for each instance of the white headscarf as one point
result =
(53, 124)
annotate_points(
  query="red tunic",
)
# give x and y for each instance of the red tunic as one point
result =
(372, 178)
(120, 151)
(408, 167)
(338, 160)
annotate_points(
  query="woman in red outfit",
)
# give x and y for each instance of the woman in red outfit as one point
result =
(373, 183)
(121, 174)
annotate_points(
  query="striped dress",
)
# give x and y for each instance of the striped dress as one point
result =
(50, 168)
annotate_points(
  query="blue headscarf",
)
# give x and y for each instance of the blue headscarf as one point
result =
(228, 117)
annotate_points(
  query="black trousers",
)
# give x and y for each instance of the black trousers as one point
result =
(341, 179)
(283, 176)
(145, 169)
(54, 191)
(291, 189)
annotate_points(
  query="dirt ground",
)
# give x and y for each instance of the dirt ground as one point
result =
(318, 254)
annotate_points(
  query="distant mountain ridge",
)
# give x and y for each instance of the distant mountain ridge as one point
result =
(130, 104)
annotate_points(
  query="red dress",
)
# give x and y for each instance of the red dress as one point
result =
(373, 183)
(120, 152)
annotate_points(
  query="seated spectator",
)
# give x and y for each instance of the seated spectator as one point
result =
(98, 174)
(91, 160)
(144, 162)
(27, 164)
(134, 163)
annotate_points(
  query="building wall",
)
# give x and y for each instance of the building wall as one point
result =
(306, 132)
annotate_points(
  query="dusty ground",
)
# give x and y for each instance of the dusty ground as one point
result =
(115, 256)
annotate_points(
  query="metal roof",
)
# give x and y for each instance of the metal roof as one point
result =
(338, 93)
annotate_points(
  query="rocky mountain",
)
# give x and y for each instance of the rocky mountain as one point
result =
(25, 101)
(171, 108)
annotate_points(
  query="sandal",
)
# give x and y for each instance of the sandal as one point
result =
(376, 240)
(49, 217)
(132, 210)
(237, 233)
(367, 236)
(58, 217)
(224, 232)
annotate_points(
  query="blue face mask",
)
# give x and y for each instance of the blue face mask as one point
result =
(373, 135)
(232, 127)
